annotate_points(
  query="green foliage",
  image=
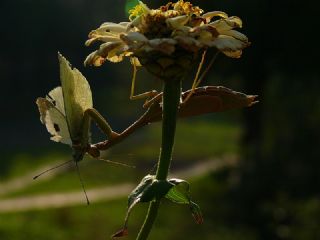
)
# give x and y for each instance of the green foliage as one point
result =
(180, 193)
(99, 220)
(222, 137)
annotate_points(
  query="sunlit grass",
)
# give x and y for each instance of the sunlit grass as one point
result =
(207, 140)
(22, 163)
(100, 220)
(93, 174)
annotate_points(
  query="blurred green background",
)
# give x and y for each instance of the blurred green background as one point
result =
(255, 172)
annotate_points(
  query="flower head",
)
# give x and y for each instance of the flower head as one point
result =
(176, 30)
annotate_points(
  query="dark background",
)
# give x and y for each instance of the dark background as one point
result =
(277, 190)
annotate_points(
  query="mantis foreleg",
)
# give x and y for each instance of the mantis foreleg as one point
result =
(94, 115)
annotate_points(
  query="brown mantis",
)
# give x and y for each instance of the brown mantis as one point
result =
(203, 100)
(67, 111)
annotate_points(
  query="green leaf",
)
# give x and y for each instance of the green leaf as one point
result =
(156, 190)
(149, 189)
(180, 194)
(138, 192)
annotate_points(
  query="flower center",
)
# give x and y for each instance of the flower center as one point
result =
(156, 27)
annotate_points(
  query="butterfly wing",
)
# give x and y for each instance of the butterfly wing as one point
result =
(52, 116)
(55, 96)
(77, 99)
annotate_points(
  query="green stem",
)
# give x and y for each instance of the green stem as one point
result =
(171, 100)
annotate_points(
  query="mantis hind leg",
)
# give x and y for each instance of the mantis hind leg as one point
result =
(149, 94)
(197, 79)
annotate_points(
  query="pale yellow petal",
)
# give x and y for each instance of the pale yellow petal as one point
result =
(165, 45)
(228, 44)
(209, 15)
(135, 61)
(205, 36)
(204, 30)
(233, 54)
(227, 24)
(94, 59)
(105, 48)
(117, 54)
(103, 33)
(109, 50)
(115, 58)
(182, 30)
(134, 37)
(123, 24)
(177, 22)
(113, 28)
(158, 41)
(189, 43)
(236, 21)
(94, 36)
(235, 34)
(90, 41)
(135, 22)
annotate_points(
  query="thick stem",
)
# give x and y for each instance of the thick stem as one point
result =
(171, 100)
(149, 220)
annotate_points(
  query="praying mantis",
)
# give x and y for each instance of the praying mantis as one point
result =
(67, 112)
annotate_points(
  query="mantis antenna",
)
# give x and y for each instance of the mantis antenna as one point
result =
(113, 162)
(50, 169)
(82, 185)
(78, 171)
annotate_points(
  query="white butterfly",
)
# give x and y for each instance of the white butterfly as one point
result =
(63, 110)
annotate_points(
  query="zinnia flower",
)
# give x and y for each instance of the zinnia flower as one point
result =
(168, 37)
